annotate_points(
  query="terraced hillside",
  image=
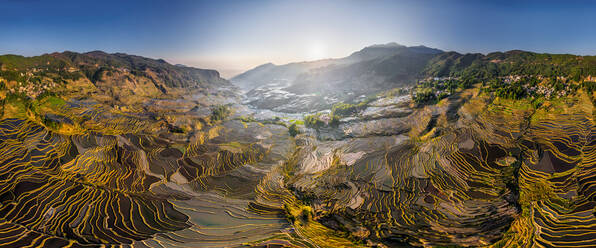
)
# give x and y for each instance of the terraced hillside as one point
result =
(497, 161)
(470, 171)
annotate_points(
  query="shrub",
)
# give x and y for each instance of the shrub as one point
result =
(50, 123)
(175, 129)
(293, 129)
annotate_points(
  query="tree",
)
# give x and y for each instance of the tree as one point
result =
(293, 130)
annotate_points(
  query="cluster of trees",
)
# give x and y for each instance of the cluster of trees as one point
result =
(511, 91)
(338, 111)
(590, 88)
(313, 121)
(220, 112)
(12, 75)
(48, 122)
(429, 92)
(425, 95)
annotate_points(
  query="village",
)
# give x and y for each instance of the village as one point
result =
(433, 89)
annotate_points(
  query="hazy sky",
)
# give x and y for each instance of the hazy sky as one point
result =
(233, 36)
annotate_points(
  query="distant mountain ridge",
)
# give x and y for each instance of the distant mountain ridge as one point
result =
(172, 75)
(94, 64)
(390, 49)
(290, 73)
(304, 86)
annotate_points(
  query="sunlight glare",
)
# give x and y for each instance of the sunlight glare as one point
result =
(317, 50)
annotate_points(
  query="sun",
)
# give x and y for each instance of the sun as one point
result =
(316, 50)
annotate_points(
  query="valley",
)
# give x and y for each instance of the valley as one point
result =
(391, 146)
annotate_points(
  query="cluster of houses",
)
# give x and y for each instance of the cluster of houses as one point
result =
(541, 89)
(27, 88)
(512, 78)
(545, 90)
(32, 90)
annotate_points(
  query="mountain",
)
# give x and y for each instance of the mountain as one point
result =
(389, 49)
(515, 62)
(94, 65)
(110, 78)
(371, 69)
(296, 73)
(276, 74)
(170, 75)
(314, 86)
(307, 86)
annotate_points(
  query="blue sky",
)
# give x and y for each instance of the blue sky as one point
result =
(232, 36)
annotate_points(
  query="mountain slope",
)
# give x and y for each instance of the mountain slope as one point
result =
(312, 86)
(109, 78)
(94, 65)
(374, 71)
(514, 62)
(280, 74)
(296, 73)
(171, 75)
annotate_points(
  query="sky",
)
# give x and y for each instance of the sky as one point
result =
(234, 36)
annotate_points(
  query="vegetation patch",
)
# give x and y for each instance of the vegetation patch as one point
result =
(220, 112)
(319, 120)
(293, 130)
